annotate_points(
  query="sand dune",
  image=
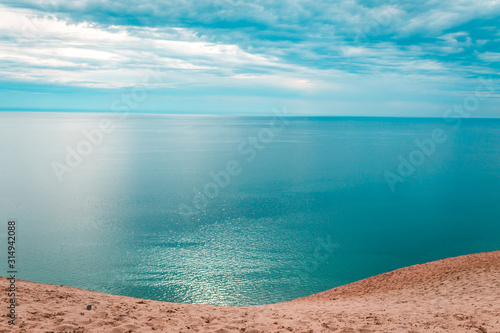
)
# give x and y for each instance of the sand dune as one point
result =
(459, 294)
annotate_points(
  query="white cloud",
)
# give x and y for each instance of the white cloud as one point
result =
(460, 39)
(490, 56)
(447, 14)
(320, 53)
(88, 55)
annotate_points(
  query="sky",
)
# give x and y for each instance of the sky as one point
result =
(326, 58)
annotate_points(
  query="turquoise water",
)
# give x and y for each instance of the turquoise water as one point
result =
(302, 208)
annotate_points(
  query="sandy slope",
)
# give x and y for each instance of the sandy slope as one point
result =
(459, 294)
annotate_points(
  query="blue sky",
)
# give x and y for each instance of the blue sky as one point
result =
(347, 57)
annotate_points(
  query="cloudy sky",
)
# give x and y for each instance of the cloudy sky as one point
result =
(345, 57)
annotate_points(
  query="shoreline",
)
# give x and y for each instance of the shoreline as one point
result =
(458, 294)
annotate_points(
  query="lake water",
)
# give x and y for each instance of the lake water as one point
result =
(288, 206)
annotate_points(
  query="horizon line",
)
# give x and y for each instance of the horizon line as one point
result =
(236, 115)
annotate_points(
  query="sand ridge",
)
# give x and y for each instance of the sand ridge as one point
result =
(460, 294)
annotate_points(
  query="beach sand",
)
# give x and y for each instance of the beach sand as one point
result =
(459, 294)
